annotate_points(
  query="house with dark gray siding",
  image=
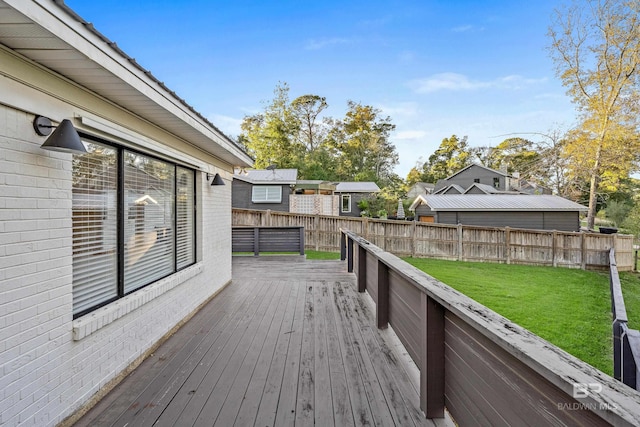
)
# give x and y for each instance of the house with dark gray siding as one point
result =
(540, 212)
(478, 174)
(267, 189)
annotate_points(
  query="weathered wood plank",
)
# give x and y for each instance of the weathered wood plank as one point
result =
(305, 407)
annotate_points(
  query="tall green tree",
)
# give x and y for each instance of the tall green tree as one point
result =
(361, 142)
(595, 45)
(270, 136)
(452, 155)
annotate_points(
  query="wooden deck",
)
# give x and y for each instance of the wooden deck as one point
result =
(289, 342)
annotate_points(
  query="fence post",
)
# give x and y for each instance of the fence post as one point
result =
(413, 239)
(507, 244)
(583, 251)
(365, 232)
(459, 242)
(554, 249)
(316, 230)
(382, 306)
(432, 357)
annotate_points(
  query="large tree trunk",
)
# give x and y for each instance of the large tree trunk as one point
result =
(593, 188)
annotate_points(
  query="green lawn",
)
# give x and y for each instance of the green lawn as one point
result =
(570, 308)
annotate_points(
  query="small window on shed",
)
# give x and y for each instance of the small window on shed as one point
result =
(266, 194)
(477, 180)
(346, 203)
(496, 182)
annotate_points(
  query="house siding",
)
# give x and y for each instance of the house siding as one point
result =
(355, 199)
(241, 197)
(52, 364)
(561, 221)
(468, 177)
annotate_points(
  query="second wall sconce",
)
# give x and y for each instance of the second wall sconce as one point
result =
(64, 138)
(217, 179)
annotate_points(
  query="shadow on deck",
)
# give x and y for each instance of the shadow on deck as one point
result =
(289, 342)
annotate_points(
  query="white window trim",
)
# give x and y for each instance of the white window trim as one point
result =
(342, 209)
(272, 194)
(97, 319)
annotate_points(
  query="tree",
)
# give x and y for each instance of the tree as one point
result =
(306, 110)
(361, 142)
(452, 155)
(595, 45)
(269, 137)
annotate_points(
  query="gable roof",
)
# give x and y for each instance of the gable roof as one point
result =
(53, 36)
(498, 202)
(475, 165)
(357, 187)
(451, 188)
(265, 176)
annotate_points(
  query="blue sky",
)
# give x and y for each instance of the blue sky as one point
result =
(437, 68)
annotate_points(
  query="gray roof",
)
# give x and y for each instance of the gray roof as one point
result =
(475, 165)
(357, 187)
(265, 176)
(497, 202)
(457, 189)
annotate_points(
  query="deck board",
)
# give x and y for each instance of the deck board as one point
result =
(289, 342)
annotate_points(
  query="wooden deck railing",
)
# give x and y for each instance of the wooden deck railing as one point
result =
(267, 239)
(626, 342)
(483, 368)
(455, 242)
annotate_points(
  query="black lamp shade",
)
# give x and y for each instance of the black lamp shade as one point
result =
(65, 139)
(217, 180)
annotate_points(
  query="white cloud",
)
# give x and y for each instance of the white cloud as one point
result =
(462, 28)
(460, 82)
(409, 134)
(316, 44)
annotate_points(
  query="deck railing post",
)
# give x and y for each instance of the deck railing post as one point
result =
(617, 349)
(343, 245)
(362, 269)
(432, 358)
(256, 241)
(301, 240)
(382, 306)
(349, 254)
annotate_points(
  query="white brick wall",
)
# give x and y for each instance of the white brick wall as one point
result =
(45, 374)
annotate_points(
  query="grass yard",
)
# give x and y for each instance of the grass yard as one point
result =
(569, 308)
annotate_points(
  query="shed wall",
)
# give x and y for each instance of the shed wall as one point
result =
(561, 221)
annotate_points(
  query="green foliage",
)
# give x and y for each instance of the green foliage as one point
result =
(617, 211)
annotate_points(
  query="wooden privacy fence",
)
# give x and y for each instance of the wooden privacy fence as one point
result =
(626, 342)
(484, 369)
(456, 242)
(267, 239)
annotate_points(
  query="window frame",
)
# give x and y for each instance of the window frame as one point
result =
(342, 199)
(121, 213)
(266, 198)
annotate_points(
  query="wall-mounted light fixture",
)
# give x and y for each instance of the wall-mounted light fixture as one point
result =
(217, 179)
(64, 138)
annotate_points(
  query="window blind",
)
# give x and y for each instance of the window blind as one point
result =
(148, 228)
(266, 194)
(185, 217)
(94, 213)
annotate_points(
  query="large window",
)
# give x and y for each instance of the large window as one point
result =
(266, 194)
(133, 223)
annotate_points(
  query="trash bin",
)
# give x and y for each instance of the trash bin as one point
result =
(608, 230)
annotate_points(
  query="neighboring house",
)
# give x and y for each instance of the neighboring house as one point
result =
(420, 189)
(530, 187)
(350, 194)
(450, 189)
(103, 253)
(266, 189)
(478, 174)
(541, 212)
